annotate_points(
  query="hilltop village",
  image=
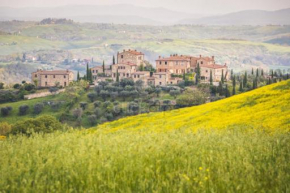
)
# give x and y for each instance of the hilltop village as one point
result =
(130, 64)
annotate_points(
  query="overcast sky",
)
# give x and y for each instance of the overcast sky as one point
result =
(190, 6)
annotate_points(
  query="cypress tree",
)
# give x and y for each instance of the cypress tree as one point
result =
(227, 91)
(92, 60)
(91, 76)
(245, 79)
(117, 78)
(210, 78)
(103, 66)
(232, 73)
(183, 76)
(262, 72)
(114, 60)
(197, 74)
(257, 72)
(222, 79)
(234, 85)
(272, 74)
(252, 71)
(78, 76)
(88, 72)
(220, 89)
(241, 86)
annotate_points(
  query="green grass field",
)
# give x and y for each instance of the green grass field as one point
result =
(239, 144)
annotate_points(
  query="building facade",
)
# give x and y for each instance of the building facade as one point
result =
(130, 56)
(52, 78)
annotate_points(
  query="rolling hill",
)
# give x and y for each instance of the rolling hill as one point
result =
(247, 17)
(240, 144)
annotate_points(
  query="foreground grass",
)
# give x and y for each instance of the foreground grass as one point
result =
(233, 160)
(240, 144)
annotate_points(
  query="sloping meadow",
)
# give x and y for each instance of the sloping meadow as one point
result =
(240, 144)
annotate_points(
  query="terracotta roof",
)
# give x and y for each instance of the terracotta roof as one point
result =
(158, 73)
(101, 67)
(55, 72)
(175, 58)
(214, 66)
(135, 52)
(141, 72)
(129, 63)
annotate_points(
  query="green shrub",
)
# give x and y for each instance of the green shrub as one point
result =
(38, 107)
(5, 128)
(43, 124)
(23, 109)
(5, 111)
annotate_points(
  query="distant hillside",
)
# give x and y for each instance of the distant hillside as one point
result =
(267, 108)
(122, 13)
(248, 17)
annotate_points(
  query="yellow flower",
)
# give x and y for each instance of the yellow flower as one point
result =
(207, 169)
(200, 168)
(205, 178)
(186, 177)
(2, 137)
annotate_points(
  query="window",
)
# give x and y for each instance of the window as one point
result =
(138, 76)
(140, 58)
(160, 76)
(159, 70)
(206, 71)
(176, 63)
(171, 82)
(127, 74)
(124, 74)
(114, 74)
(160, 83)
(160, 62)
(134, 76)
(122, 56)
(64, 83)
(53, 76)
(64, 76)
(93, 71)
(45, 76)
(201, 62)
(165, 62)
(45, 83)
(35, 75)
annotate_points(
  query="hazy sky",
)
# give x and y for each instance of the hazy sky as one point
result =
(190, 6)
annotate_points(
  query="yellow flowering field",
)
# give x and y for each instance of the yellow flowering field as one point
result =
(240, 144)
(267, 108)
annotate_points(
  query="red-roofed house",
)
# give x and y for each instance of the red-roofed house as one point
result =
(132, 56)
(52, 78)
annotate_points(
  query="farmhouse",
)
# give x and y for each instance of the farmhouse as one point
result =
(99, 74)
(52, 78)
(131, 56)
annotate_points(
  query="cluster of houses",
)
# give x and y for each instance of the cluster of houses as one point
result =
(129, 64)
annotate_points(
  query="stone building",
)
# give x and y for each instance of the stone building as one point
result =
(175, 64)
(99, 74)
(179, 64)
(125, 70)
(131, 56)
(52, 78)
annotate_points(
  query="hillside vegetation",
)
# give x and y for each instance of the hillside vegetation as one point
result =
(239, 144)
(266, 109)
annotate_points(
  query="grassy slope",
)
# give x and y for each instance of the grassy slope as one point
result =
(265, 108)
(135, 159)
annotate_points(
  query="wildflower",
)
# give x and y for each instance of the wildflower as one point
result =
(186, 177)
(205, 178)
(207, 169)
(200, 168)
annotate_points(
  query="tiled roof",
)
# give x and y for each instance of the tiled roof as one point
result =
(129, 63)
(135, 52)
(141, 72)
(55, 72)
(175, 58)
(214, 66)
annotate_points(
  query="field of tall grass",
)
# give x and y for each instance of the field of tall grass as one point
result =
(177, 151)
